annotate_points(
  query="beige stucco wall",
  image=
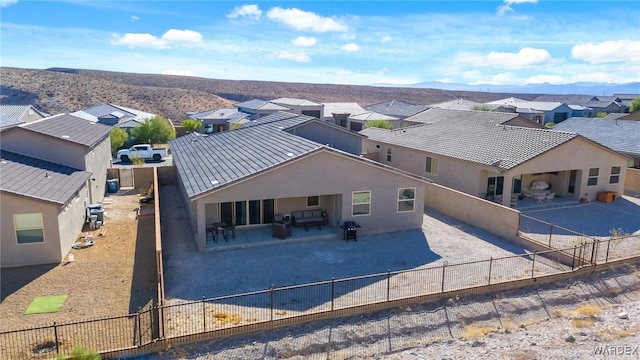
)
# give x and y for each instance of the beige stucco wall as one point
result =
(325, 173)
(14, 254)
(577, 154)
(632, 181)
(499, 220)
(327, 134)
(44, 147)
(71, 218)
(97, 160)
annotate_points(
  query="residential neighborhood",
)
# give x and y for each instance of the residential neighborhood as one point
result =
(300, 175)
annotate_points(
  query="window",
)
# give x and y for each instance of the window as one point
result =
(406, 199)
(615, 175)
(432, 166)
(388, 154)
(593, 177)
(313, 201)
(361, 203)
(29, 228)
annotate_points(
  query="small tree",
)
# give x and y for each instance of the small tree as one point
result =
(549, 125)
(191, 125)
(635, 105)
(601, 114)
(382, 124)
(481, 108)
(118, 137)
(156, 130)
(235, 126)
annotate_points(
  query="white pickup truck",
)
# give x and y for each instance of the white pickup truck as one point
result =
(143, 151)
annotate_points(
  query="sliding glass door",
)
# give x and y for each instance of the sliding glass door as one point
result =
(252, 212)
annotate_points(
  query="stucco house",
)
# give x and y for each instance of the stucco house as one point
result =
(541, 112)
(479, 153)
(218, 120)
(114, 115)
(258, 108)
(50, 170)
(287, 162)
(15, 114)
(338, 112)
(620, 135)
(301, 106)
(397, 108)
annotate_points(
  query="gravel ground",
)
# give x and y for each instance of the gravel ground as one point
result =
(566, 320)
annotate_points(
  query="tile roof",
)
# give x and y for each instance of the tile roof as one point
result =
(573, 99)
(457, 104)
(397, 108)
(207, 162)
(476, 136)
(38, 179)
(371, 115)
(617, 134)
(230, 114)
(342, 108)
(294, 102)
(16, 112)
(524, 104)
(70, 128)
(258, 104)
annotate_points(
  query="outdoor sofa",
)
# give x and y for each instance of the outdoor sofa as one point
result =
(308, 218)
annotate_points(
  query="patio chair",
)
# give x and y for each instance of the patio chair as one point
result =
(230, 230)
(549, 196)
(527, 194)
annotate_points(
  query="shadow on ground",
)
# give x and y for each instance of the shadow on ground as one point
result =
(13, 279)
(143, 284)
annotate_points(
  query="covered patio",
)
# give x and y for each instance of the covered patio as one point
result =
(257, 236)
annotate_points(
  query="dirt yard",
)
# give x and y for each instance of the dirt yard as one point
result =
(113, 277)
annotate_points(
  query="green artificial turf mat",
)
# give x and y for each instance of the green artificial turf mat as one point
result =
(46, 304)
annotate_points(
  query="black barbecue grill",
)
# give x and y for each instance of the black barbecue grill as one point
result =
(350, 230)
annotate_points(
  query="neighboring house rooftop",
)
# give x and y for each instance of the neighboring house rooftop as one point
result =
(476, 136)
(343, 108)
(69, 128)
(295, 102)
(567, 99)
(258, 104)
(38, 179)
(223, 114)
(121, 113)
(233, 155)
(525, 105)
(15, 114)
(457, 104)
(371, 115)
(620, 135)
(397, 108)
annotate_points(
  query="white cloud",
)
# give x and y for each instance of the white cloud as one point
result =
(498, 79)
(175, 35)
(351, 47)
(343, 73)
(134, 18)
(304, 41)
(506, 6)
(385, 39)
(304, 20)
(526, 57)
(607, 52)
(295, 56)
(550, 79)
(151, 41)
(139, 40)
(245, 11)
(179, 72)
(4, 3)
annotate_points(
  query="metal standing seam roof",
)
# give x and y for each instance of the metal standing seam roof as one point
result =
(70, 128)
(397, 108)
(372, 115)
(207, 162)
(258, 104)
(620, 135)
(38, 179)
(475, 136)
(16, 112)
(295, 102)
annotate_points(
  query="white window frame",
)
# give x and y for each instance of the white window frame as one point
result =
(590, 177)
(314, 196)
(353, 204)
(407, 200)
(615, 175)
(431, 169)
(16, 228)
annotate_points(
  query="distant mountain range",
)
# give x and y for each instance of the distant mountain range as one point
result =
(586, 88)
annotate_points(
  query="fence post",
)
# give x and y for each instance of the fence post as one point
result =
(271, 300)
(490, 266)
(139, 327)
(550, 234)
(333, 282)
(573, 260)
(55, 334)
(204, 317)
(594, 251)
(444, 265)
(606, 260)
(388, 283)
(533, 266)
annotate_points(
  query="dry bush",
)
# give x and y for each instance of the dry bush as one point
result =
(588, 310)
(475, 332)
(585, 316)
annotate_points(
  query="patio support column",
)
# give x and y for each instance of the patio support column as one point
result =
(507, 188)
(201, 226)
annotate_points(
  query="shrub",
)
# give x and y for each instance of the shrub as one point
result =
(137, 161)
(80, 352)
(481, 108)
(382, 124)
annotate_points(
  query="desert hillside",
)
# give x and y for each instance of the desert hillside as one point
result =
(68, 90)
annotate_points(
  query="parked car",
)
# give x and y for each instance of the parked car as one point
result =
(144, 151)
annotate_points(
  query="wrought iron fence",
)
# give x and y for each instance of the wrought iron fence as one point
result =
(209, 314)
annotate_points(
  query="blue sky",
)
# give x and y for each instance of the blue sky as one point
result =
(509, 42)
